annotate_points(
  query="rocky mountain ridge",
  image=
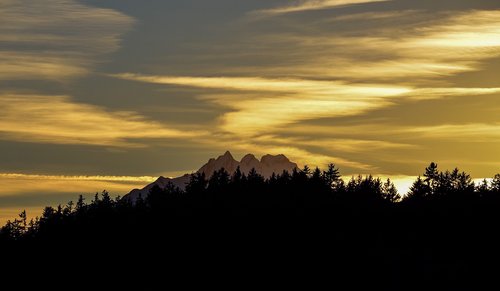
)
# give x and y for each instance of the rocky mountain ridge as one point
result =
(266, 166)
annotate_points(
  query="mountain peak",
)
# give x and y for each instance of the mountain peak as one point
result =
(250, 162)
(226, 156)
(276, 164)
(248, 158)
(225, 161)
(268, 165)
(228, 153)
(270, 159)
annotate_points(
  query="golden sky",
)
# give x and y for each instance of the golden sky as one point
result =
(110, 94)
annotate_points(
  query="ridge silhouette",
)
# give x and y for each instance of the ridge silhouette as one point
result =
(443, 233)
(268, 165)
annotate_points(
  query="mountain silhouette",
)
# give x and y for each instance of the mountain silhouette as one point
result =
(267, 165)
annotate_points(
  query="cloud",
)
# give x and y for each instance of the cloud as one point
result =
(279, 102)
(282, 85)
(308, 5)
(438, 93)
(326, 69)
(78, 178)
(72, 188)
(351, 145)
(56, 39)
(55, 119)
(470, 132)
(253, 117)
(16, 183)
(476, 29)
(291, 100)
(380, 15)
(420, 48)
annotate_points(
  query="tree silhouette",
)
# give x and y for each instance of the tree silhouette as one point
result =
(332, 177)
(419, 191)
(432, 176)
(495, 184)
(389, 192)
(442, 229)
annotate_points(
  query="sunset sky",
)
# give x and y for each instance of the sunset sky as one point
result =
(109, 94)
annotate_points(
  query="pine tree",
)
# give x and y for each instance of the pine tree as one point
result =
(389, 192)
(80, 204)
(495, 184)
(418, 191)
(483, 188)
(237, 176)
(332, 177)
(432, 176)
(197, 183)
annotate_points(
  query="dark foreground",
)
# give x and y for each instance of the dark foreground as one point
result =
(301, 228)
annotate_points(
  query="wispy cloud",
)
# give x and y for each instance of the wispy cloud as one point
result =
(56, 39)
(352, 145)
(291, 100)
(337, 74)
(470, 132)
(77, 178)
(451, 44)
(281, 102)
(15, 183)
(307, 5)
(56, 119)
(380, 15)
(282, 85)
(438, 93)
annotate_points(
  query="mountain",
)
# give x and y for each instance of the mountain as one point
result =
(267, 165)
(162, 182)
(225, 161)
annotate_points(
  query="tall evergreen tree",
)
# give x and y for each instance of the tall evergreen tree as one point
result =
(432, 176)
(389, 192)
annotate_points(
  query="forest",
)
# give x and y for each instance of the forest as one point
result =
(443, 230)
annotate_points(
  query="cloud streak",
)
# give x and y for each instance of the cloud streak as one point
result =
(56, 119)
(291, 100)
(282, 85)
(56, 39)
(78, 178)
(309, 5)
(416, 48)
(273, 103)
(471, 132)
(15, 183)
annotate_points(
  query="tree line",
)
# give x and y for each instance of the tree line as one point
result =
(304, 192)
(442, 232)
